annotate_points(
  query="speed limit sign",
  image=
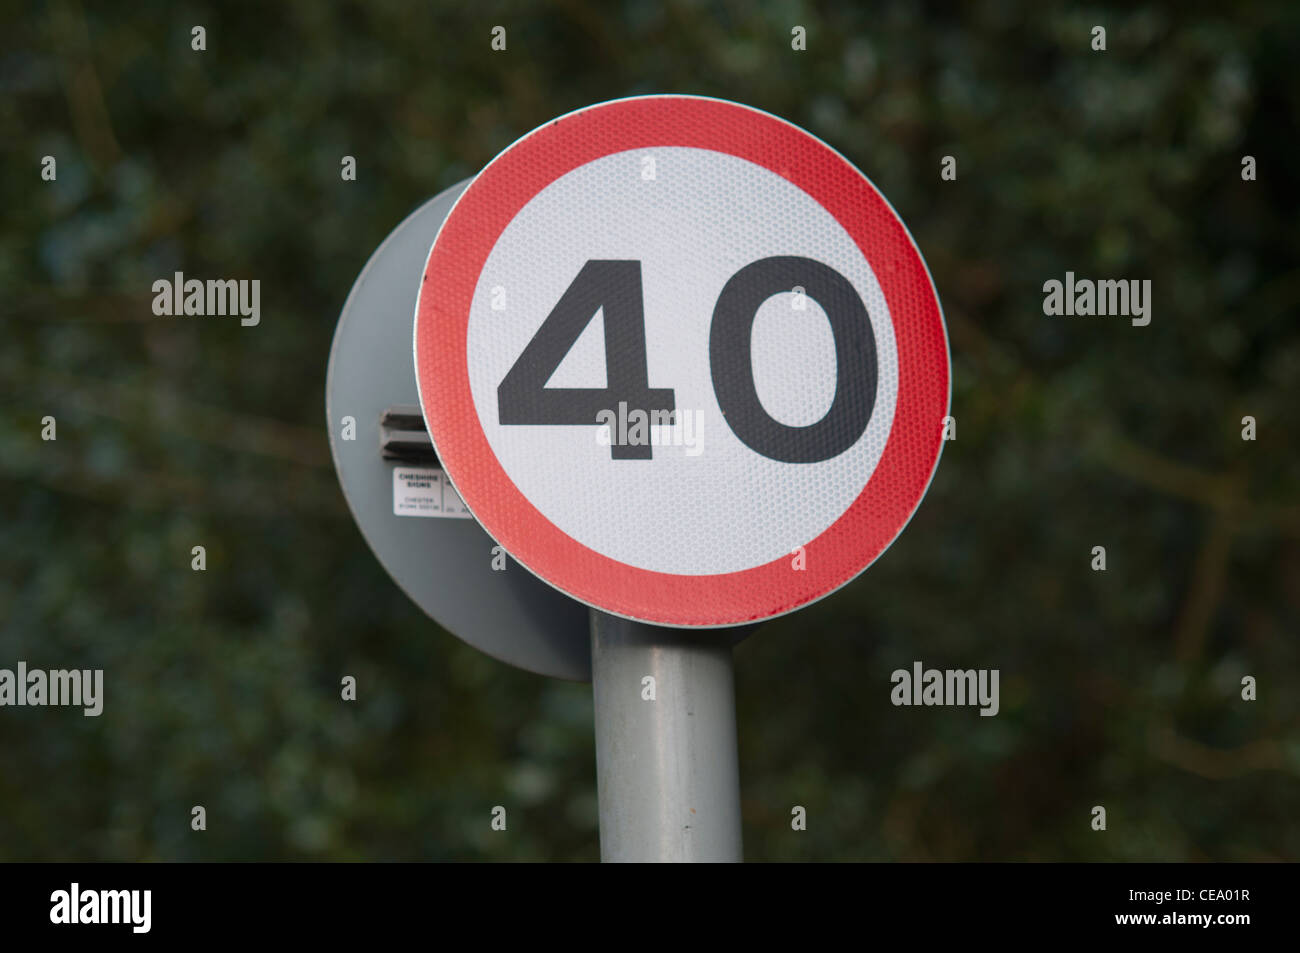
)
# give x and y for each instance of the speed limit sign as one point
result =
(682, 361)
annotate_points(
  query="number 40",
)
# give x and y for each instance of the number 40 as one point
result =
(614, 287)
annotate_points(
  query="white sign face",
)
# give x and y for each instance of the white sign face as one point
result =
(568, 472)
(664, 348)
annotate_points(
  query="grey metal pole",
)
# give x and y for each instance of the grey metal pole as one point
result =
(667, 772)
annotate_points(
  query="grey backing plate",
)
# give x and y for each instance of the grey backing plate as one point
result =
(444, 565)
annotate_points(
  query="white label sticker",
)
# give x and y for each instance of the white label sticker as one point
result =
(426, 491)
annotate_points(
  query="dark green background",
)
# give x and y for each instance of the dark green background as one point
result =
(222, 688)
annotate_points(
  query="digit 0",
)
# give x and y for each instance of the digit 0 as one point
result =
(732, 367)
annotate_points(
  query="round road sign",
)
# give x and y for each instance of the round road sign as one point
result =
(682, 360)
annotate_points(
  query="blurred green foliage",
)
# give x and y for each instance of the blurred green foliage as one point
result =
(1118, 688)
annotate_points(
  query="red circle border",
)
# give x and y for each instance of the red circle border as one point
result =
(467, 237)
